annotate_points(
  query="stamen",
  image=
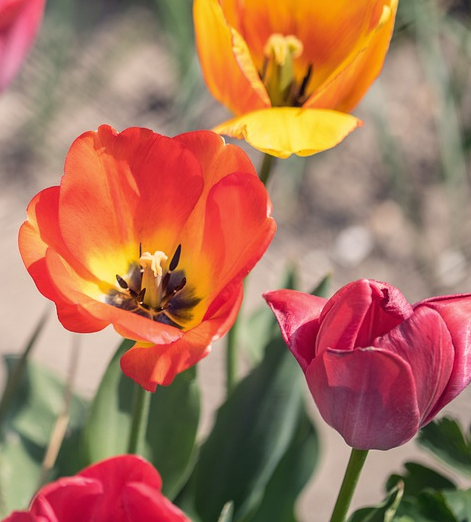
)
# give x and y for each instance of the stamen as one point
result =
(302, 88)
(175, 259)
(121, 282)
(166, 300)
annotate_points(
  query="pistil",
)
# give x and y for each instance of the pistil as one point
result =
(278, 70)
(152, 278)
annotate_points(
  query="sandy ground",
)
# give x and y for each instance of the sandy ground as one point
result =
(348, 218)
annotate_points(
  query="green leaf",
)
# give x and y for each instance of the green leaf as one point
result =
(39, 400)
(252, 432)
(20, 469)
(171, 429)
(459, 502)
(385, 512)
(418, 478)
(291, 475)
(435, 507)
(445, 439)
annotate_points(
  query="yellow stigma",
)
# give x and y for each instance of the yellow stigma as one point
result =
(278, 71)
(152, 277)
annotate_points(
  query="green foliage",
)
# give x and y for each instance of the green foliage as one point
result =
(38, 401)
(171, 429)
(445, 439)
(384, 512)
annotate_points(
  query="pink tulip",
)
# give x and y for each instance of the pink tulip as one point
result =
(120, 489)
(19, 23)
(377, 367)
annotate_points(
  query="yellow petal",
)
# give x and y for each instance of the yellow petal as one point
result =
(283, 131)
(225, 60)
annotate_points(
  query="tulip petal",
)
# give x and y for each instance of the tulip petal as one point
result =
(283, 131)
(154, 365)
(297, 314)
(368, 395)
(455, 311)
(358, 313)
(111, 198)
(344, 86)
(226, 62)
(425, 343)
(144, 503)
(71, 498)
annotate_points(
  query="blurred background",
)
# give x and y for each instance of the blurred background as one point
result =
(390, 203)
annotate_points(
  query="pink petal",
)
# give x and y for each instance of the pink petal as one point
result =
(455, 310)
(368, 395)
(297, 314)
(358, 313)
(425, 343)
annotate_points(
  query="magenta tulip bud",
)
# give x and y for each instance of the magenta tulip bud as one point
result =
(377, 367)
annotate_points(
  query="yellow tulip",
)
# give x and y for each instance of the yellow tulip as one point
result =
(292, 70)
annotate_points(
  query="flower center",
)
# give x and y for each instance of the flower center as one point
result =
(278, 70)
(154, 290)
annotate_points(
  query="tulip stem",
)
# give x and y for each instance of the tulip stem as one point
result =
(266, 168)
(350, 481)
(140, 415)
(231, 356)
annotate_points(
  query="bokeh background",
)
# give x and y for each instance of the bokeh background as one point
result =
(390, 203)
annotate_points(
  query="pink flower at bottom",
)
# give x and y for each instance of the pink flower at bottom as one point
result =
(377, 367)
(120, 489)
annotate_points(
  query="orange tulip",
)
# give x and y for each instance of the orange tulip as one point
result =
(153, 235)
(291, 70)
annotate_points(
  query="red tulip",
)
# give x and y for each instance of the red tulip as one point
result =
(121, 489)
(153, 235)
(19, 23)
(377, 367)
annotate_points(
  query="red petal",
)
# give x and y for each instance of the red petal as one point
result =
(425, 343)
(455, 311)
(123, 190)
(159, 364)
(368, 395)
(358, 313)
(297, 314)
(142, 503)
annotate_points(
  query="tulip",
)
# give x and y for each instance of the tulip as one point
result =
(153, 235)
(19, 23)
(120, 489)
(291, 70)
(377, 367)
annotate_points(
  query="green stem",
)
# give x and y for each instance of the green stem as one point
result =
(350, 481)
(231, 356)
(266, 168)
(140, 416)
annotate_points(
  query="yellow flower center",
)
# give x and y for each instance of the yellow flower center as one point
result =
(155, 289)
(278, 68)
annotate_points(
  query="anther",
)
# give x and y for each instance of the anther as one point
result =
(175, 259)
(121, 282)
(140, 296)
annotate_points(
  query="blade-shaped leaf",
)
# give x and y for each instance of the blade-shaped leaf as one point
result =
(253, 430)
(445, 439)
(20, 469)
(171, 429)
(291, 475)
